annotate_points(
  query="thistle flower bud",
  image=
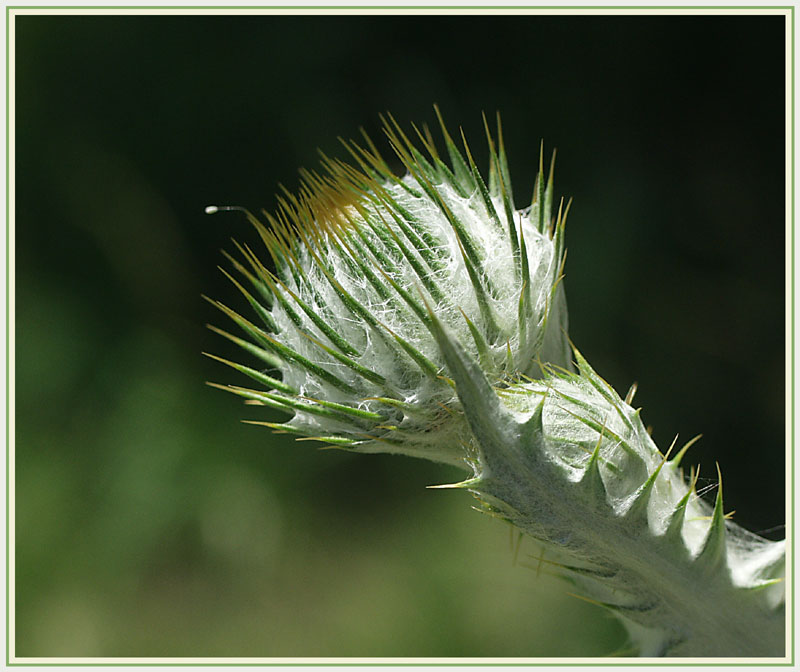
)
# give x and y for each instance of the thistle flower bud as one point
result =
(423, 314)
(362, 257)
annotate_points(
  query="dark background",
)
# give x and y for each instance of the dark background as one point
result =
(150, 522)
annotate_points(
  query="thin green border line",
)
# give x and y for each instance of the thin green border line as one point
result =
(8, 335)
(572, 663)
(493, 663)
(791, 204)
(411, 7)
(622, 665)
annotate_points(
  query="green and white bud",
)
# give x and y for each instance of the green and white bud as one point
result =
(425, 315)
(361, 258)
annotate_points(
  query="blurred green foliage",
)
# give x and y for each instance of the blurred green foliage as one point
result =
(151, 523)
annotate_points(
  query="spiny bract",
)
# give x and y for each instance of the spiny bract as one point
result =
(362, 257)
(424, 315)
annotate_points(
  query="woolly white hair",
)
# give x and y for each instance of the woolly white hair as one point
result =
(363, 258)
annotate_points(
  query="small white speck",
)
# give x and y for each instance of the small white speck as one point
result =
(211, 209)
